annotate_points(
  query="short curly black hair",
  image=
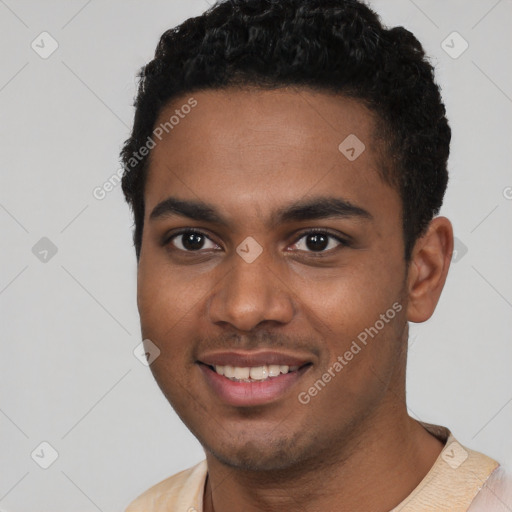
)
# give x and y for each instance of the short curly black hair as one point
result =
(335, 46)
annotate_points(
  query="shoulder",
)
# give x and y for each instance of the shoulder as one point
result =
(455, 479)
(182, 491)
(495, 494)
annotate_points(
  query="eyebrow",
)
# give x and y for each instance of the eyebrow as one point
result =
(309, 209)
(196, 210)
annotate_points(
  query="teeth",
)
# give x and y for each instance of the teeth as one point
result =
(273, 370)
(249, 374)
(259, 372)
(228, 371)
(242, 373)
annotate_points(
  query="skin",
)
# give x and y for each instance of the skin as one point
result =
(248, 153)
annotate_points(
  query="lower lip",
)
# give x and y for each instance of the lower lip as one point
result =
(245, 394)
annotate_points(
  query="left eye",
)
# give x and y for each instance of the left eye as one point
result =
(317, 242)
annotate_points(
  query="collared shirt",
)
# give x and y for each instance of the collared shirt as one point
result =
(461, 480)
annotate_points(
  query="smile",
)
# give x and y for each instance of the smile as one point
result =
(254, 373)
(249, 386)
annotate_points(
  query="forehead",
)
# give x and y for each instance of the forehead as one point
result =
(252, 150)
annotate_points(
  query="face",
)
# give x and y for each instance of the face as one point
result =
(273, 257)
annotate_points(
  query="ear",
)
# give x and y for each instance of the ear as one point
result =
(428, 268)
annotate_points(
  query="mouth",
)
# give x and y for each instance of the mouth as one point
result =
(254, 373)
(244, 380)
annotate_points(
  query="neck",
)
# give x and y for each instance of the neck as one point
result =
(374, 470)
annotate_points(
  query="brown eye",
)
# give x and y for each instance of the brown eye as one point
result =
(192, 241)
(317, 241)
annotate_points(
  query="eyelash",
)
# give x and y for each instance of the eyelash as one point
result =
(342, 242)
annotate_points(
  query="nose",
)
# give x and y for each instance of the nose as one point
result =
(251, 294)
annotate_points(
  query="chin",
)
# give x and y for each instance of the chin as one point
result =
(259, 455)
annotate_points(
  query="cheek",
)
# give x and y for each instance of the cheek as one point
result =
(166, 297)
(346, 300)
(365, 354)
(160, 315)
(359, 314)
(166, 316)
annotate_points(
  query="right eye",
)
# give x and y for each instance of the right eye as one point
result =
(191, 241)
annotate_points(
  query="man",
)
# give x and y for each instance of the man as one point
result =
(285, 169)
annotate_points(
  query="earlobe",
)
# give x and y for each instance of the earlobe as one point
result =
(428, 268)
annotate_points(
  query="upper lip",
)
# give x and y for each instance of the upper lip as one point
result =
(249, 359)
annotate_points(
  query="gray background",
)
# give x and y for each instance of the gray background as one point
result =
(69, 322)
